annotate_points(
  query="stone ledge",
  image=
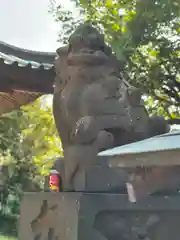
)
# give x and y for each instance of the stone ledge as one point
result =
(79, 216)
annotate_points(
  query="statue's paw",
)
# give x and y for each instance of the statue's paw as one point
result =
(77, 158)
(105, 140)
(86, 130)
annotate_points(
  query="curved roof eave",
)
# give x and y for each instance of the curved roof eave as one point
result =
(27, 55)
(24, 76)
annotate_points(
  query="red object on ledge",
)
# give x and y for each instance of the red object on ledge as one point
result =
(54, 181)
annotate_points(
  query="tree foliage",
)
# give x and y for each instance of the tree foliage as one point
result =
(41, 134)
(28, 144)
(145, 35)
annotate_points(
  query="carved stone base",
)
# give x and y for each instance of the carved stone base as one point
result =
(80, 216)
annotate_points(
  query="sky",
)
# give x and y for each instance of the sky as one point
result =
(27, 24)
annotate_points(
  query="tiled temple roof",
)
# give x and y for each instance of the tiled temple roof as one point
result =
(24, 76)
(23, 56)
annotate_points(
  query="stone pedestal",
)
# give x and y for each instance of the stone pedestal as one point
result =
(88, 216)
(99, 178)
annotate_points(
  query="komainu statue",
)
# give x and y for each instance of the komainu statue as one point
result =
(94, 107)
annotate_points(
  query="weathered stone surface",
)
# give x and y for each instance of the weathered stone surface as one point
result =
(49, 216)
(97, 178)
(94, 107)
(104, 176)
(78, 216)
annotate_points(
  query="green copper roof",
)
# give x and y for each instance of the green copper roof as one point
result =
(169, 141)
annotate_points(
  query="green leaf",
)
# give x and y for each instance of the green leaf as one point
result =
(109, 3)
(153, 53)
(115, 27)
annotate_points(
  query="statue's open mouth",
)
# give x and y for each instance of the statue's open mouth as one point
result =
(86, 56)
